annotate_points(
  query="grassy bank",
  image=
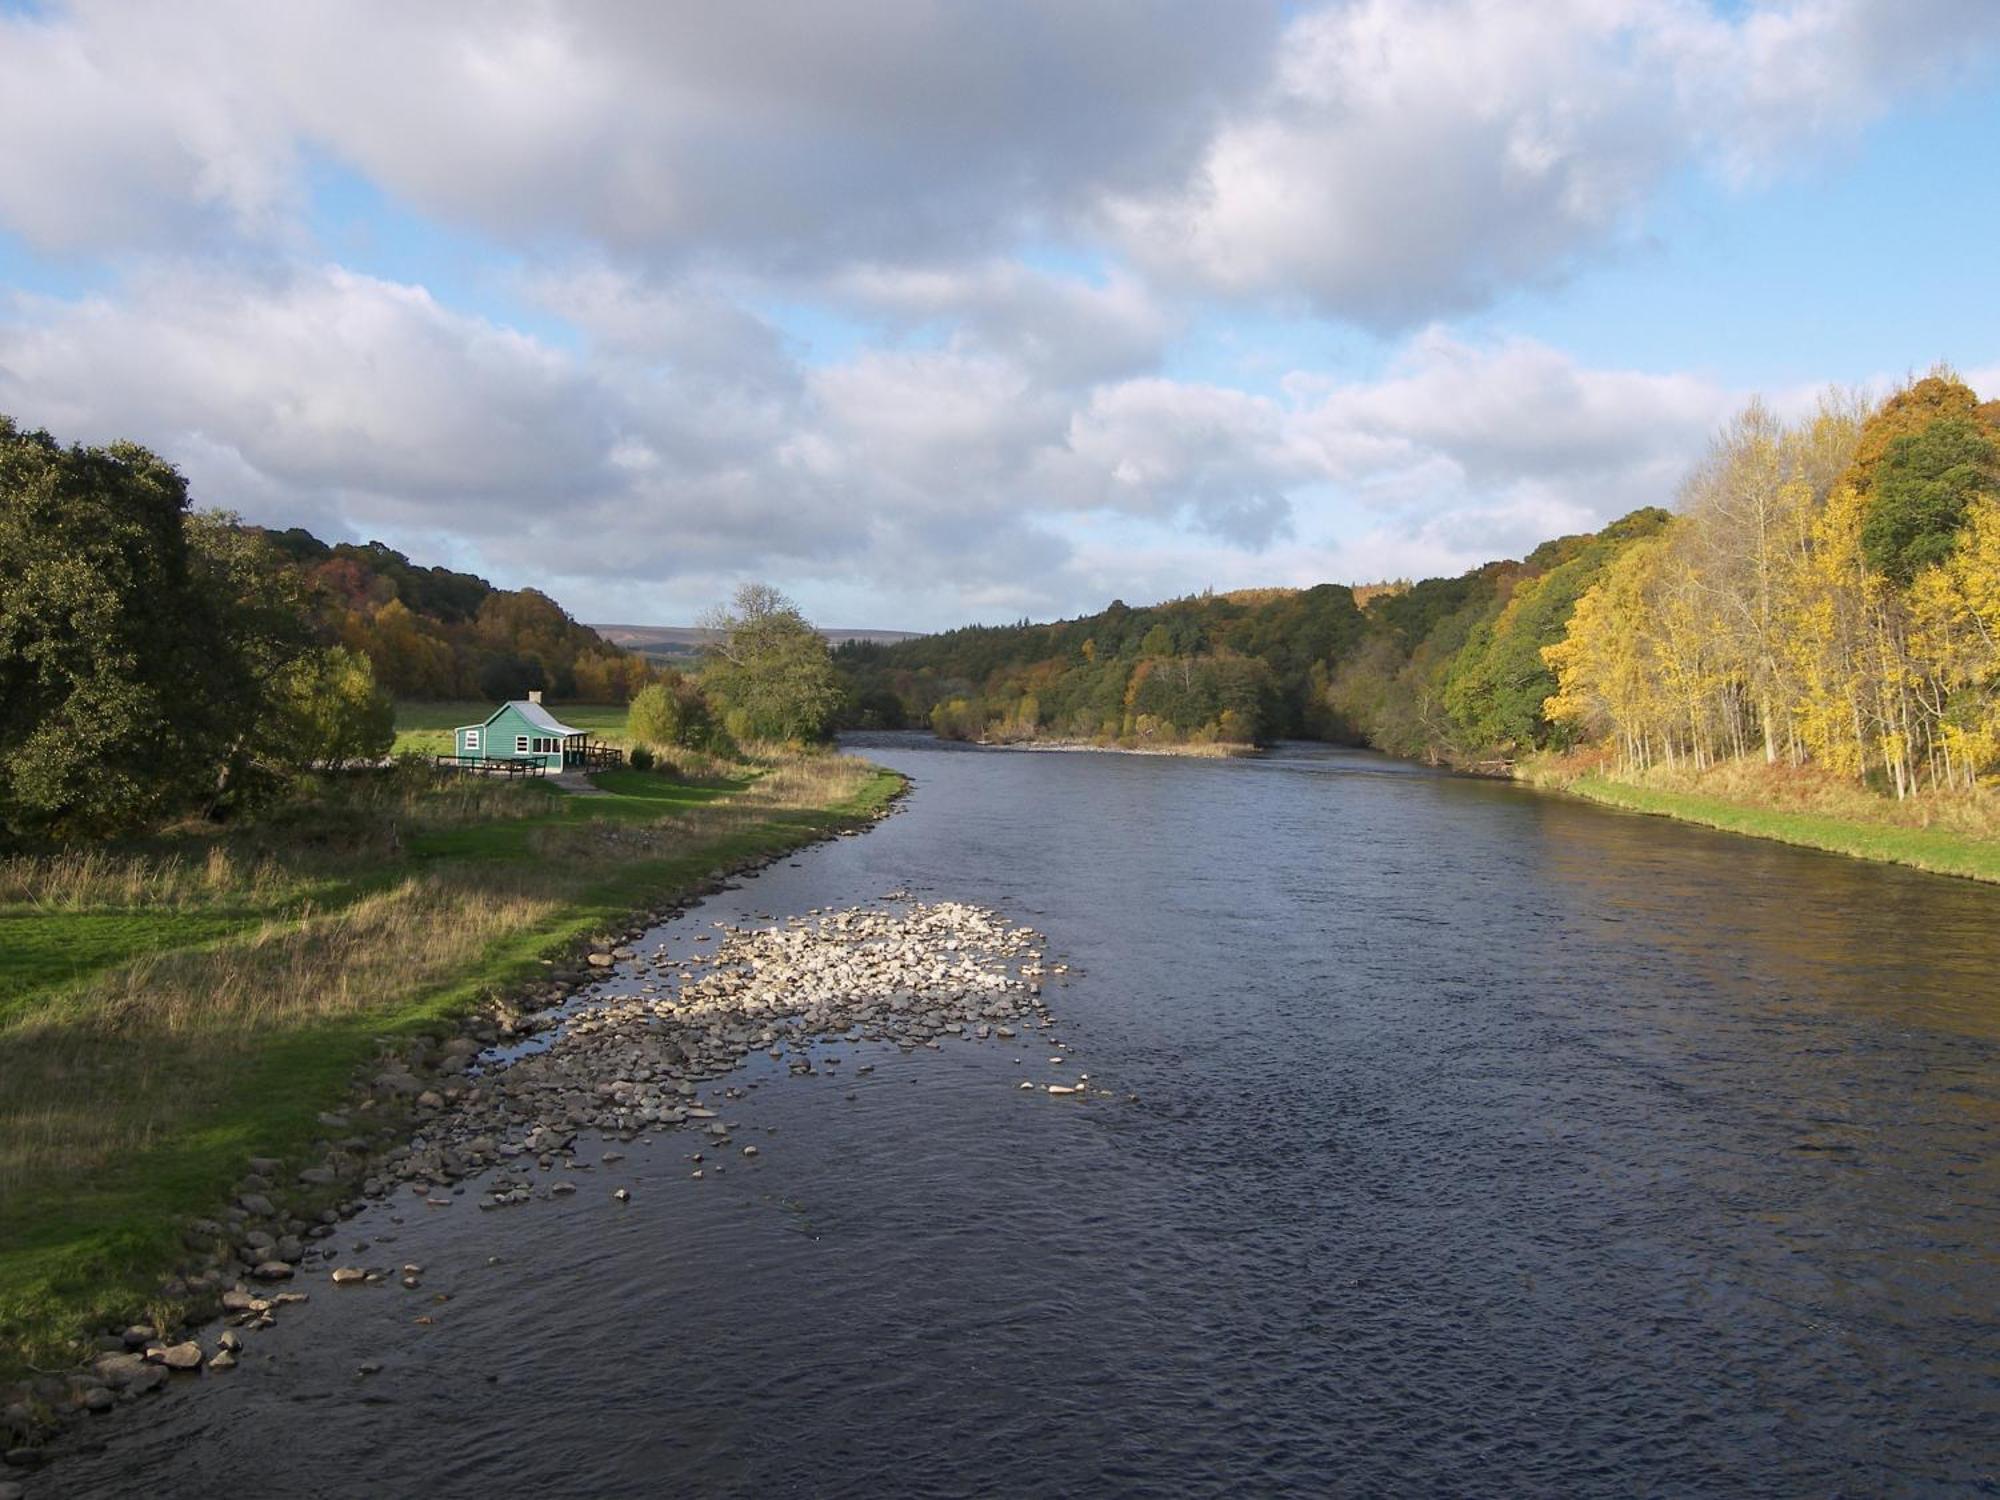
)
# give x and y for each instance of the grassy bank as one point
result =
(1956, 835)
(168, 1012)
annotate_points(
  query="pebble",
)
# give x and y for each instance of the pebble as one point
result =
(632, 1063)
(913, 974)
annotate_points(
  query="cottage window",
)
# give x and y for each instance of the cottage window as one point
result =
(472, 739)
(520, 744)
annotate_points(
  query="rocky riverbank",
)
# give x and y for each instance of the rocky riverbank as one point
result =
(622, 1045)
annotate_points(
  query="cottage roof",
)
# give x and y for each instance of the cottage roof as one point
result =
(536, 715)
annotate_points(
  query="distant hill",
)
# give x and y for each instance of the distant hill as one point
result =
(669, 641)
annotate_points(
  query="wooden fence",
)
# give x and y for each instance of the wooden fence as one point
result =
(494, 766)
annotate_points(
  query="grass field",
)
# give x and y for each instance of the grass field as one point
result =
(1946, 835)
(167, 1013)
(425, 728)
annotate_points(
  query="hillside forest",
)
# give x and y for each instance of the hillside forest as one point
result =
(158, 661)
(434, 634)
(1825, 592)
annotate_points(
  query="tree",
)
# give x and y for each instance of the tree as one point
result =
(509, 675)
(654, 717)
(124, 681)
(1924, 486)
(670, 711)
(329, 713)
(768, 669)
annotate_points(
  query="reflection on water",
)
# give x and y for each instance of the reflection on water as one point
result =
(1483, 1143)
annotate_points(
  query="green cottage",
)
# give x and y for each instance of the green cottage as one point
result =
(523, 730)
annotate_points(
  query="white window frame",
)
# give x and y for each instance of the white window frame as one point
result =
(471, 739)
(520, 744)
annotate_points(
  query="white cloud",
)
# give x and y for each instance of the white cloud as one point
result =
(694, 190)
(661, 130)
(1383, 161)
(926, 479)
(1411, 159)
(1064, 328)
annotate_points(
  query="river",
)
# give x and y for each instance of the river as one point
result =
(1467, 1141)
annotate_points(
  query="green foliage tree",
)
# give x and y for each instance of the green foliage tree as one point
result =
(768, 669)
(1924, 488)
(329, 712)
(654, 716)
(124, 679)
(671, 711)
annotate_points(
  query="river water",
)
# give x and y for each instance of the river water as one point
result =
(1468, 1141)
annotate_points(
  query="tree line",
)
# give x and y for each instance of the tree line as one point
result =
(1829, 594)
(157, 661)
(431, 633)
(1228, 668)
(1826, 592)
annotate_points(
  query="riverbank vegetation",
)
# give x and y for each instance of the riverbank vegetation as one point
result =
(219, 896)
(169, 1009)
(1942, 833)
(1828, 596)
(1220, 668)
(1824, 598)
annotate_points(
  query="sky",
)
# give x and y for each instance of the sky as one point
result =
(932, 312)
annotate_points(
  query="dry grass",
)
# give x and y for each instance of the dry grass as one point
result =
(128, 1057)
(696, 767)
(348, 829)
(89, 879)
(790, 784)
(135, 1051)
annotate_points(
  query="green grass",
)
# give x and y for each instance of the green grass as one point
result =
(1939, 850)
(425, 728)
(637, 797)
(144, 1055)
(41, 952)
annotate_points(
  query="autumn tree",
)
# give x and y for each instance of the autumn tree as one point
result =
(768, 669)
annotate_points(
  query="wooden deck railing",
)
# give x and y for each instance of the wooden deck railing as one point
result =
(493, 765)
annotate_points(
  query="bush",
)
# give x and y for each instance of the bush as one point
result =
(642, 758)
(653, 716)
(670, 711)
